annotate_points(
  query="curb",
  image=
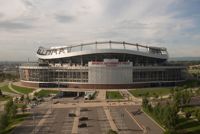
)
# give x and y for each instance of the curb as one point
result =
(137, 122)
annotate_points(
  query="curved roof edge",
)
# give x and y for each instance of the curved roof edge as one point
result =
(129, 48)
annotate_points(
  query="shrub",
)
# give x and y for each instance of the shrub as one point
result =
(188, 114)
(198, 115)
(23, 108)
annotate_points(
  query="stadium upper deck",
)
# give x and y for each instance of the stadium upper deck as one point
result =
(102, 47)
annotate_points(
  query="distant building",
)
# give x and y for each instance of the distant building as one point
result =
(194, 67)
(101, 65)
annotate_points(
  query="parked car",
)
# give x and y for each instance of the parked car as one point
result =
(71, 114)
(82, 125)
(83, 118)
(84, 109)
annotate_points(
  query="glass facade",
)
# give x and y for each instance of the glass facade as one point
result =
(54, 75)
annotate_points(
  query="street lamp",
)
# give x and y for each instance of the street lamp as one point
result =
(34, 126)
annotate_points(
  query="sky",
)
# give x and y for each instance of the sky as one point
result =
(27, 24)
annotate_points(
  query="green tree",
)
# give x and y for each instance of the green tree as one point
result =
(177, 97)
(22, 98)
(155, 95)
(13, 111)
(186, 96)
(27, 99)
(3, 121)
(23, 108)
(1, 94)
(170, 117)
(8, 105)
(198, 115)
(198, 91)
(145, 102)
(172, 91)
(10, 108)
(188, 114)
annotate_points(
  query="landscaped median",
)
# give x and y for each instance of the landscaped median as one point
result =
(113, 95)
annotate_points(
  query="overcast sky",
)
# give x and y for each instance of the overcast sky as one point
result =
(27, 24)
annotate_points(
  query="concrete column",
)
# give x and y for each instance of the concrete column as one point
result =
(77, 93)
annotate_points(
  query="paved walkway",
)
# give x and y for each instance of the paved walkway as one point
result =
(10, 94)
(34, 91)
(94, 104)
(133, 98)
(101, 95)
(110, 119)
(76, 121)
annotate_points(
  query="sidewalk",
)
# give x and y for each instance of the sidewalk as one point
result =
(76, 121)
(133, 98)
(110, 120)
(34, 91)
(94, 104)
(101, 95)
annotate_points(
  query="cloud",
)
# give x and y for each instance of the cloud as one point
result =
(8, 25)
(166, 23)
(64, 18)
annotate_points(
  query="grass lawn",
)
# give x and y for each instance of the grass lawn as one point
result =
(160, 91)
(4, 98)
(113, 95)
(19, 105)
(46, 93)
(6, 89)
(19, 118)
(188, 126)
(184, 126)
(3, 84)
(23, 90)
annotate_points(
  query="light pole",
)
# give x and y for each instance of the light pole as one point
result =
(34, 127)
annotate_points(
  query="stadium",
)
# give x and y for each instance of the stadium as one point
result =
(102, 65)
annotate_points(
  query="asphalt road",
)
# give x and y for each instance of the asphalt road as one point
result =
(123, 121)
(146, 122)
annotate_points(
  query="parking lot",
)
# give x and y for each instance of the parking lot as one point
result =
(123, 121)
(97, 122)
(91, 120)
(57, 122)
